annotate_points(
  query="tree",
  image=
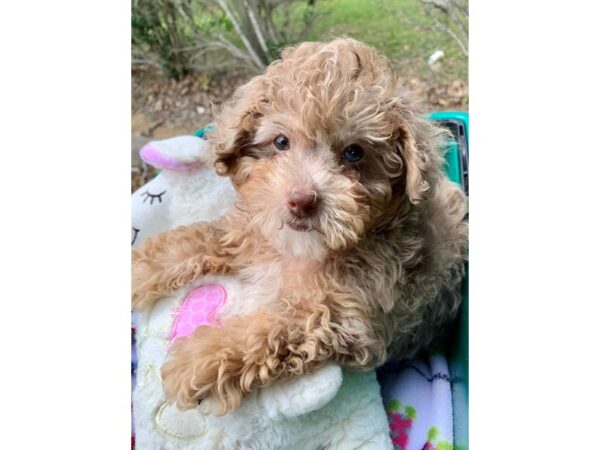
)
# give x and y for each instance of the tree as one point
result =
(262, 26)
(182, 36)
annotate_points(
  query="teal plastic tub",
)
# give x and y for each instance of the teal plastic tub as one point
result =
(457, 161)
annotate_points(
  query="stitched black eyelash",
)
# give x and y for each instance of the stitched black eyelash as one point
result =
(135, 234)
(152, 197)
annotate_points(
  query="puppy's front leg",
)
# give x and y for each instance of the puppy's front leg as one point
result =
(167, 261)
(226, 363)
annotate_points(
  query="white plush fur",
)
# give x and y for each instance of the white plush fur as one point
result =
(184, 149)
(328, 409)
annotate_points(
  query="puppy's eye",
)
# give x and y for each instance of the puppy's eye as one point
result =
(353, 153)
(281, 142)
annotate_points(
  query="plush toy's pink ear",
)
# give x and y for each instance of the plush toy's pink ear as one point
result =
(181, 154)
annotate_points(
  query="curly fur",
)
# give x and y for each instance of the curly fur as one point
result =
(375, 273)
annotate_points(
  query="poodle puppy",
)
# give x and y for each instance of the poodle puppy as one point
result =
(350, 236)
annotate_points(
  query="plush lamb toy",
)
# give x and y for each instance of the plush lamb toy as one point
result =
(329, 408)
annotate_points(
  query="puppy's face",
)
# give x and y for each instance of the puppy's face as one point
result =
(320, 149)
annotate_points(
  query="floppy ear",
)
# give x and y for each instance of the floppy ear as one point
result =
(235, 129)
(416, 161)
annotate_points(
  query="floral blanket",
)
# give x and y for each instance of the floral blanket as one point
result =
(417, 396)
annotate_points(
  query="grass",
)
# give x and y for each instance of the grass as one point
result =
(397, 28)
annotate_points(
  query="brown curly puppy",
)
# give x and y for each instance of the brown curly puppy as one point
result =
(349, 233)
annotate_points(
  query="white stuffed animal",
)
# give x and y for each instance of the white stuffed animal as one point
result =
(328, 409)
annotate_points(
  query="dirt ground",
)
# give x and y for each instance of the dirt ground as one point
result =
(165, 108)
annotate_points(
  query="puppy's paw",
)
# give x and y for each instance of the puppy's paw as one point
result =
(181, 386)
(149, 282)
(142, 279)
(153, 276)
(143, 293)
(140, 299)
(200, 372)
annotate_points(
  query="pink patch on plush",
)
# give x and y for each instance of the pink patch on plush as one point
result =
(200, 307)
(156, 158)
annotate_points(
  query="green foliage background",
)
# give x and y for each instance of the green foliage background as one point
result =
(168, 32)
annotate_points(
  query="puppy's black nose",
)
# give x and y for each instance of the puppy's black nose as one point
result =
(303, 204)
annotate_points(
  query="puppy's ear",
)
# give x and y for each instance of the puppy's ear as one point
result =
(235, 129)
(416, 162)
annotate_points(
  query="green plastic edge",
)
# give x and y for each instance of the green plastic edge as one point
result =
(458, 349)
